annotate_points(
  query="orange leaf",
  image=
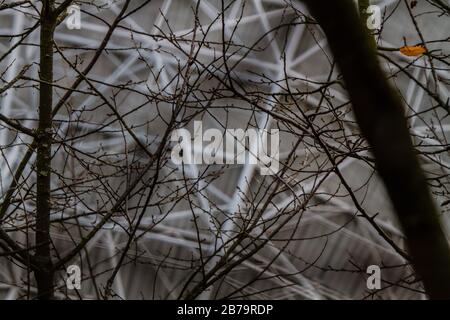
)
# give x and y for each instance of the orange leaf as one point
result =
(412, 51)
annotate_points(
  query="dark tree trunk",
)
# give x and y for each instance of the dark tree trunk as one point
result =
(379, 112)
(44, 276)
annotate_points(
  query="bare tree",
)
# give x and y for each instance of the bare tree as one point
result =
(91, 117)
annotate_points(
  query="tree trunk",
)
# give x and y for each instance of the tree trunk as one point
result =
(379, 113)
(44, 276)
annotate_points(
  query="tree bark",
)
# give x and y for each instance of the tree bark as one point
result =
(379, 112)
(44, 276)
